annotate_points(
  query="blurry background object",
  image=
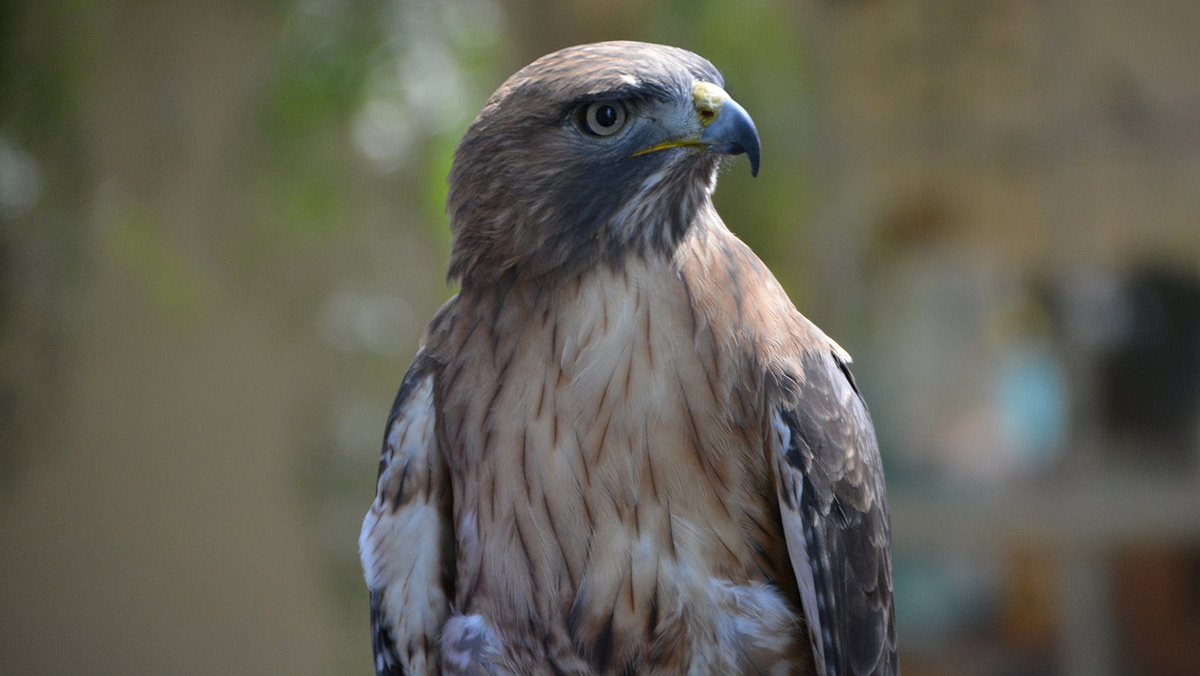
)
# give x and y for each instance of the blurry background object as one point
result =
(1149, 372)
(221, 232)
(1158, 603)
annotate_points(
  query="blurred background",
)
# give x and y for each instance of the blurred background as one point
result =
(221, 233)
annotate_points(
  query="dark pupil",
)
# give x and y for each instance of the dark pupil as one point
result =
(606, 116)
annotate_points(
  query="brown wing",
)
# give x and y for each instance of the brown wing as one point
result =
(406, 542)
(834, 511)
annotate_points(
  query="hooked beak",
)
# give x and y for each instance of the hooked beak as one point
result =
(725, 126)
(728, 128)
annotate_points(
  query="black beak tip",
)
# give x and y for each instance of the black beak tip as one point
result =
(735, 148)
(749, 143)
(753, 157)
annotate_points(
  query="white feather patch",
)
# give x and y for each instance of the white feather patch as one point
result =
(401, 550)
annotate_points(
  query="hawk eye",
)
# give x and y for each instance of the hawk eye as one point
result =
(602, 118)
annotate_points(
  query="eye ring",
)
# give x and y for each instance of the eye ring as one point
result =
(602, 118)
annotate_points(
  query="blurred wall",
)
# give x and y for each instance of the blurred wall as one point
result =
(150, 511)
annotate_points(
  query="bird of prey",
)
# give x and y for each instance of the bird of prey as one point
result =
(620, 448)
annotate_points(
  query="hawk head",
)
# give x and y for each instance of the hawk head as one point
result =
(589, 154)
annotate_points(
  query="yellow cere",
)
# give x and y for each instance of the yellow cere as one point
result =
(708, 99)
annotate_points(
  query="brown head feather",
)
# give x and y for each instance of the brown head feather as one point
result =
(532, 194)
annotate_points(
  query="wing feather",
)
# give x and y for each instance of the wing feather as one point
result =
(406, 544)
(829, 481)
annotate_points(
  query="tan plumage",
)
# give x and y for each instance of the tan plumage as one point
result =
(621, 450)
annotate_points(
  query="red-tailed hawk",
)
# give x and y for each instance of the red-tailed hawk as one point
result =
(620, 449)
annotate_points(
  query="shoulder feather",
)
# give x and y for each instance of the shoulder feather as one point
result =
(829, 480)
